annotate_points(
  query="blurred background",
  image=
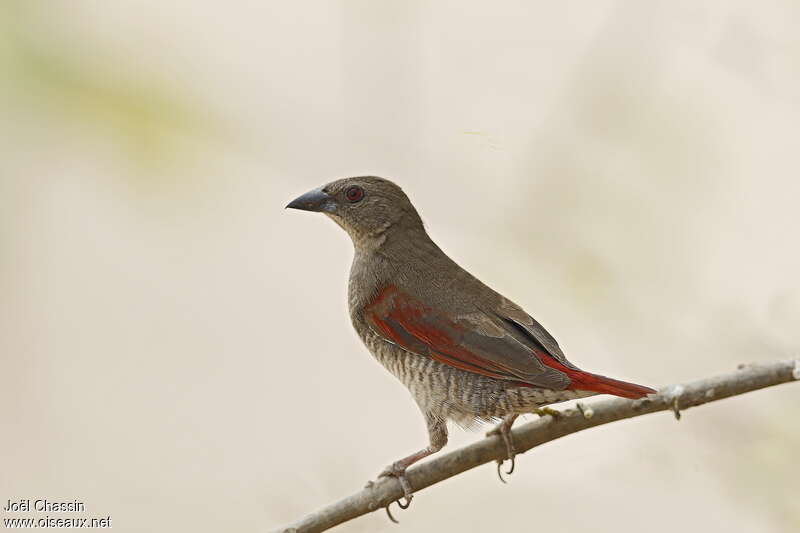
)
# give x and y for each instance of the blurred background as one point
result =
(176, 350)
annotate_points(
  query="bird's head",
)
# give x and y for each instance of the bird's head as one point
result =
(367, 207)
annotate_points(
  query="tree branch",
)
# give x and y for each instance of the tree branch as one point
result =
(677, 397)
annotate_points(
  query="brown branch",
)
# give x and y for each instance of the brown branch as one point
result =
(676, 398)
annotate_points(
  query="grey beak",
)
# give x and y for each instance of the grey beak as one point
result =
(315, 200)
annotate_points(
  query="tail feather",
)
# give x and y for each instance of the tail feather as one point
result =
(605, 385)
(596, 383)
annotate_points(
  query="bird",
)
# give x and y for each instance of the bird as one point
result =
(466, 353)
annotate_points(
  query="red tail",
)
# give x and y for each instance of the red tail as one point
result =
(604, 385)
(596, 383)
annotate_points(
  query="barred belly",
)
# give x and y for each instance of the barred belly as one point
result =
(466, 398)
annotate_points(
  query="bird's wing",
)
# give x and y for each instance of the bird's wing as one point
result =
(504, 344)
(532, 331)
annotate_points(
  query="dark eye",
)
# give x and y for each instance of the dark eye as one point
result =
(354, 194)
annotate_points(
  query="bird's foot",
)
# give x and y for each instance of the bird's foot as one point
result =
(398, 470)
(544, 411)
(504, 430)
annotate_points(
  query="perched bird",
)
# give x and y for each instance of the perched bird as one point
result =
(465, 352)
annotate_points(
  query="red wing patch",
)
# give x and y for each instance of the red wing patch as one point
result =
(482, 345)
(421, 330)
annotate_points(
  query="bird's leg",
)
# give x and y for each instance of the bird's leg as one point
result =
(504, 430)
(437, 430)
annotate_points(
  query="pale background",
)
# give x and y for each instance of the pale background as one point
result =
(175, 346)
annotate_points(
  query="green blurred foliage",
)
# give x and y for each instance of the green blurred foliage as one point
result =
(129, 108)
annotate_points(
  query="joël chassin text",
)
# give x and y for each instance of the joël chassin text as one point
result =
(43, 505)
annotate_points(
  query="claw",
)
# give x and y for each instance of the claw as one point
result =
(509, 471)
(401, 505)
(407, 492)
(504, 431)
(389, 514)
(398, 472)
(500, 472)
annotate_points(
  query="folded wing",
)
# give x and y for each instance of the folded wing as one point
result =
(503, 343)
(478, 342)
